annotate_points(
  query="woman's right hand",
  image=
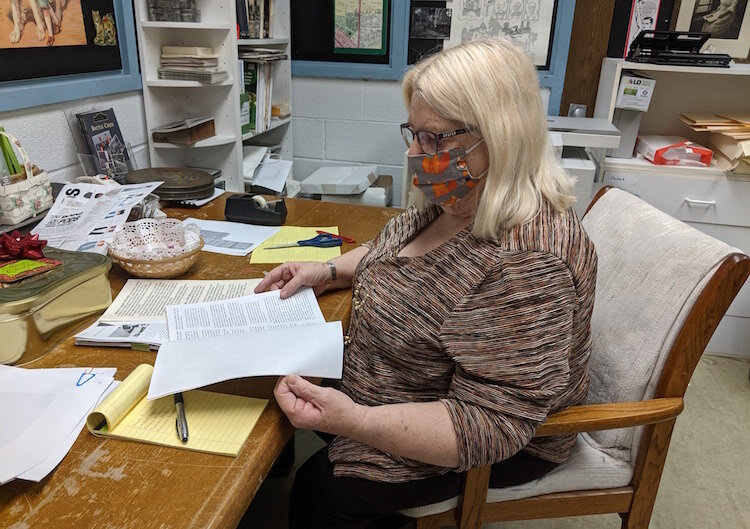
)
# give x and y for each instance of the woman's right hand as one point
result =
(290, 277)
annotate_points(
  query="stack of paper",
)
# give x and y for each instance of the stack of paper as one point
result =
(257, 335)
(42, 411)
(137, 317)
(190, 63)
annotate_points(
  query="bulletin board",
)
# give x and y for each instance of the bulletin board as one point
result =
(93, 53)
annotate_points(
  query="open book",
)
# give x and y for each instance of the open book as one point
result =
(217, 423)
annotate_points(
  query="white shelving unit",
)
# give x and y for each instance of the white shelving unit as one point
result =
(707, 198)
(279, 135)
(168, 101)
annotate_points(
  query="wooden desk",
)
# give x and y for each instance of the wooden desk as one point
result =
(121, 484)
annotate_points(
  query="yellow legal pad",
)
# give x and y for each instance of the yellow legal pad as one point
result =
(217, 423)
(289, 234)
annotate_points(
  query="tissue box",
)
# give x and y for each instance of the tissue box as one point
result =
(378, 194)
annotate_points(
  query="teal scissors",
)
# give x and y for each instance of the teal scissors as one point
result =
(324, 240)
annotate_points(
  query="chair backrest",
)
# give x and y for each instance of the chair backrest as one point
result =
(652, 270)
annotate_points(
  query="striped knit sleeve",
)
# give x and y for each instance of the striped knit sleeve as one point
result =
(510, 339)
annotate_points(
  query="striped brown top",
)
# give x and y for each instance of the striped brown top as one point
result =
(499, 331)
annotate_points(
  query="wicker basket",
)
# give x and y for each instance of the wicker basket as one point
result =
(27, 194)
(158, 269)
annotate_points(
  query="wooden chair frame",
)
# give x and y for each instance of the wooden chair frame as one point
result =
(635, 502)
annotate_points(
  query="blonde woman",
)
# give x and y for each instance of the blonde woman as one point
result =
(471, 310)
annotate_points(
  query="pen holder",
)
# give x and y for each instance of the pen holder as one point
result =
(242, 208)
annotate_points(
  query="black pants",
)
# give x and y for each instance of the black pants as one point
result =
(320, 500)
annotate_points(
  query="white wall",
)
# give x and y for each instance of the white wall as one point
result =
(348, 122)
(46, 136)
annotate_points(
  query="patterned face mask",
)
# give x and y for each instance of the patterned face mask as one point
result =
(444, 177)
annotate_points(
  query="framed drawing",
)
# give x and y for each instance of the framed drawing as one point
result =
(59, 50)
(728, 21)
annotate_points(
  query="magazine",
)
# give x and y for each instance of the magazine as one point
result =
(105, 141)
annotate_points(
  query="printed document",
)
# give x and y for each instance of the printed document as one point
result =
(144, 300)
(243, 315)
(231, 238)
(256, 336)
(86, 216)
(124, 334)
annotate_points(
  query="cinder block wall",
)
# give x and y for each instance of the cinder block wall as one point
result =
(46, 136)
(348, 122)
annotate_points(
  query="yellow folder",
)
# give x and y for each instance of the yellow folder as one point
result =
(217, 423)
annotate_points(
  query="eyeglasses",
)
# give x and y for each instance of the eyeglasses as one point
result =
(428, 141)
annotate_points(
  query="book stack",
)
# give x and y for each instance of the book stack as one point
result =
(190, 63)
(729, 137)
(258, 86)
(254, 19)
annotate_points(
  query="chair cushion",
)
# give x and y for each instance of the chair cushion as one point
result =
(651, 270)
(587, 468)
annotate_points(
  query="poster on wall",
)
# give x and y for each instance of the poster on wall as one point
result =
(359, 26)
(643, 16)
(528, 23)
(46, 38)
(728, 21)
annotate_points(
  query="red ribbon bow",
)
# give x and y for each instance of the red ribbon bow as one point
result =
(17, 246)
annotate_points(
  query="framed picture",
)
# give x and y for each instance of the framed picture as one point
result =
(60, 50)
(728, 21)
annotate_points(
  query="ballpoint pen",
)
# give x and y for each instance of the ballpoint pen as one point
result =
(181, 421)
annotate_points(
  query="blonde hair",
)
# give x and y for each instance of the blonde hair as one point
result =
(492, 86)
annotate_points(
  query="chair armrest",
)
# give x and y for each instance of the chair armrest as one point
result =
(596, 417)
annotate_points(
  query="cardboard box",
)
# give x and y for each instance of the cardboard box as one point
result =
(378, 194)
(634, 92)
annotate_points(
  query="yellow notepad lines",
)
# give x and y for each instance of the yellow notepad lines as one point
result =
(218, 423)
(289, 234)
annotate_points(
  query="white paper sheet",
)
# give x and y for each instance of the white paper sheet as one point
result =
(41, 470)
(252, 156)
(41, 408)
(312, 350)
(231, 238)
(198, 203)
(86, 216)
(145, 299)
(243, 315)
(251, 336)
(272, 174)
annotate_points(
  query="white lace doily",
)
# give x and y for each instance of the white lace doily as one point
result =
(155, 239)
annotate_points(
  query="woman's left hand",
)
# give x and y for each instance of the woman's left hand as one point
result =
(317, 408)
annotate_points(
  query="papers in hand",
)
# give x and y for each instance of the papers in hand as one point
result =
(42, 413)
(253, 336)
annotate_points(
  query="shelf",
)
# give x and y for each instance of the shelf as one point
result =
(641, 165)
(734, 69)
(262, 42)
(275, 124)
(214, 141)
(186, 25)
(165, 83)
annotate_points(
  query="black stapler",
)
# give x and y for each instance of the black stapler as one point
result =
(253, 209)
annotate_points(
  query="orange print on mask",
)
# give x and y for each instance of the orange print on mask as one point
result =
(442, 189)
(436, 164)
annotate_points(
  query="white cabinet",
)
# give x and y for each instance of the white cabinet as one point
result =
(168, 101)
(706, 198)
